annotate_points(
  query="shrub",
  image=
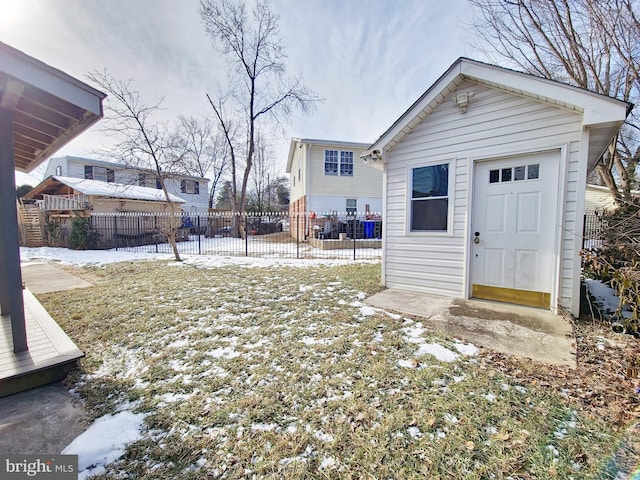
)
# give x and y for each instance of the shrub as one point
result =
(617, 260)
(83, 236)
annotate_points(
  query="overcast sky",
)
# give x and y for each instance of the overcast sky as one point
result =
(369, 59)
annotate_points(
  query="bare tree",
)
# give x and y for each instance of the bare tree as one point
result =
(140, 140)
(203, 152)
(262, 175)
(259, 88)
(591, 44)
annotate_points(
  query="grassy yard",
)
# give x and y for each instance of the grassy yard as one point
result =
(283, 372)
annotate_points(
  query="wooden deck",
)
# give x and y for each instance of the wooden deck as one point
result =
(51, 355)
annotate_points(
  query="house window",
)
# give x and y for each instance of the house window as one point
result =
(338, 163)
(142, 180)
(331, 162)
(59, 170)
(158, 184)
(346, 164)
(102, 174)
(190, 186)
(352, 206)
(430, 198)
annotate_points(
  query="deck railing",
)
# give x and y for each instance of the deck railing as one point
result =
(64, 202)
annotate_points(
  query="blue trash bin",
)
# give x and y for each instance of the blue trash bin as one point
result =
(369, 227)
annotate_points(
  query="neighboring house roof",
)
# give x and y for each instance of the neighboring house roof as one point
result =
(49, 107)
(104, 189)
(326, 143)
(601, 114)
(124, 166)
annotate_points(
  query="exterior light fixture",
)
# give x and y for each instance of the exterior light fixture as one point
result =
(462, 100)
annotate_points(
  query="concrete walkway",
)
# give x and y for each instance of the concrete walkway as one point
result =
(528, 332)
(45, 278)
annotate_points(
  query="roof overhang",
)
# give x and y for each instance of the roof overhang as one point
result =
(56, 185)
(299, 142)
(49, 107)
(602, 115)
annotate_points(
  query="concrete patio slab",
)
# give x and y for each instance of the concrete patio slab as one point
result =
(527, 332)
(45, 278)
(43, 420)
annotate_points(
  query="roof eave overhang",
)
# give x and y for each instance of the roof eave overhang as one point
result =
(601, 114)
(50, 108)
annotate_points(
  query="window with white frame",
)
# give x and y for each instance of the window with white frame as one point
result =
(351, 206)
(102, 174)
(430, 198)
(346, 164)
(190, 186)
(331, 162)
(59, 170)
(337, 162)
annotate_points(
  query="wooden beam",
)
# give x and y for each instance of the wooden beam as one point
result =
(21, 119)
(50, 102)
(35, 110)
(10, 96)
(32, 134)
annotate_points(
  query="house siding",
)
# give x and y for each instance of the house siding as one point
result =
(74, 167)
(495, 123)
(598, 199)
(297, 183)
(365, 182)
(312, 190)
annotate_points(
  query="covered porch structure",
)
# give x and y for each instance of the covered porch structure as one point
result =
(41, 109)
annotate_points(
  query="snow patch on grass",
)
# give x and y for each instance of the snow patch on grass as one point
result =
(105, 441)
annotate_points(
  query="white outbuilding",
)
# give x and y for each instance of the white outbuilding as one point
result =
(484, 185)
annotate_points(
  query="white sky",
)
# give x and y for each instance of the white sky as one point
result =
(369, 59)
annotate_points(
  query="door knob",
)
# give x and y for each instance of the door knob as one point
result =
(476, 238)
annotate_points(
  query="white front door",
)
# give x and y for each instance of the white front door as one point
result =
(513, 228)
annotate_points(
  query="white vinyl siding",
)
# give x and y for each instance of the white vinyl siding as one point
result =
(297, 175)
(495, 124)
(365, 181)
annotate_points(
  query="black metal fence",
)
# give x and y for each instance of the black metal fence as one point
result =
(306, 235)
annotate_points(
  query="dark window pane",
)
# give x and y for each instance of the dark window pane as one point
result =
(346, 163)
(88, 172)
(430, 214)
(506, 174)
(494, 176)
(518, 173)
(330, 162)
(533, 171)
(430, 181)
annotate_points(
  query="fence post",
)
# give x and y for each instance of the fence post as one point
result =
(198, 231)
(355, 234)
(297, 214)
(246, 235)
(115, 230)
(92, 236)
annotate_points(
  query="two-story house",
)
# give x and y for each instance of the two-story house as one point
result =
(194, 190)
(328, 176)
